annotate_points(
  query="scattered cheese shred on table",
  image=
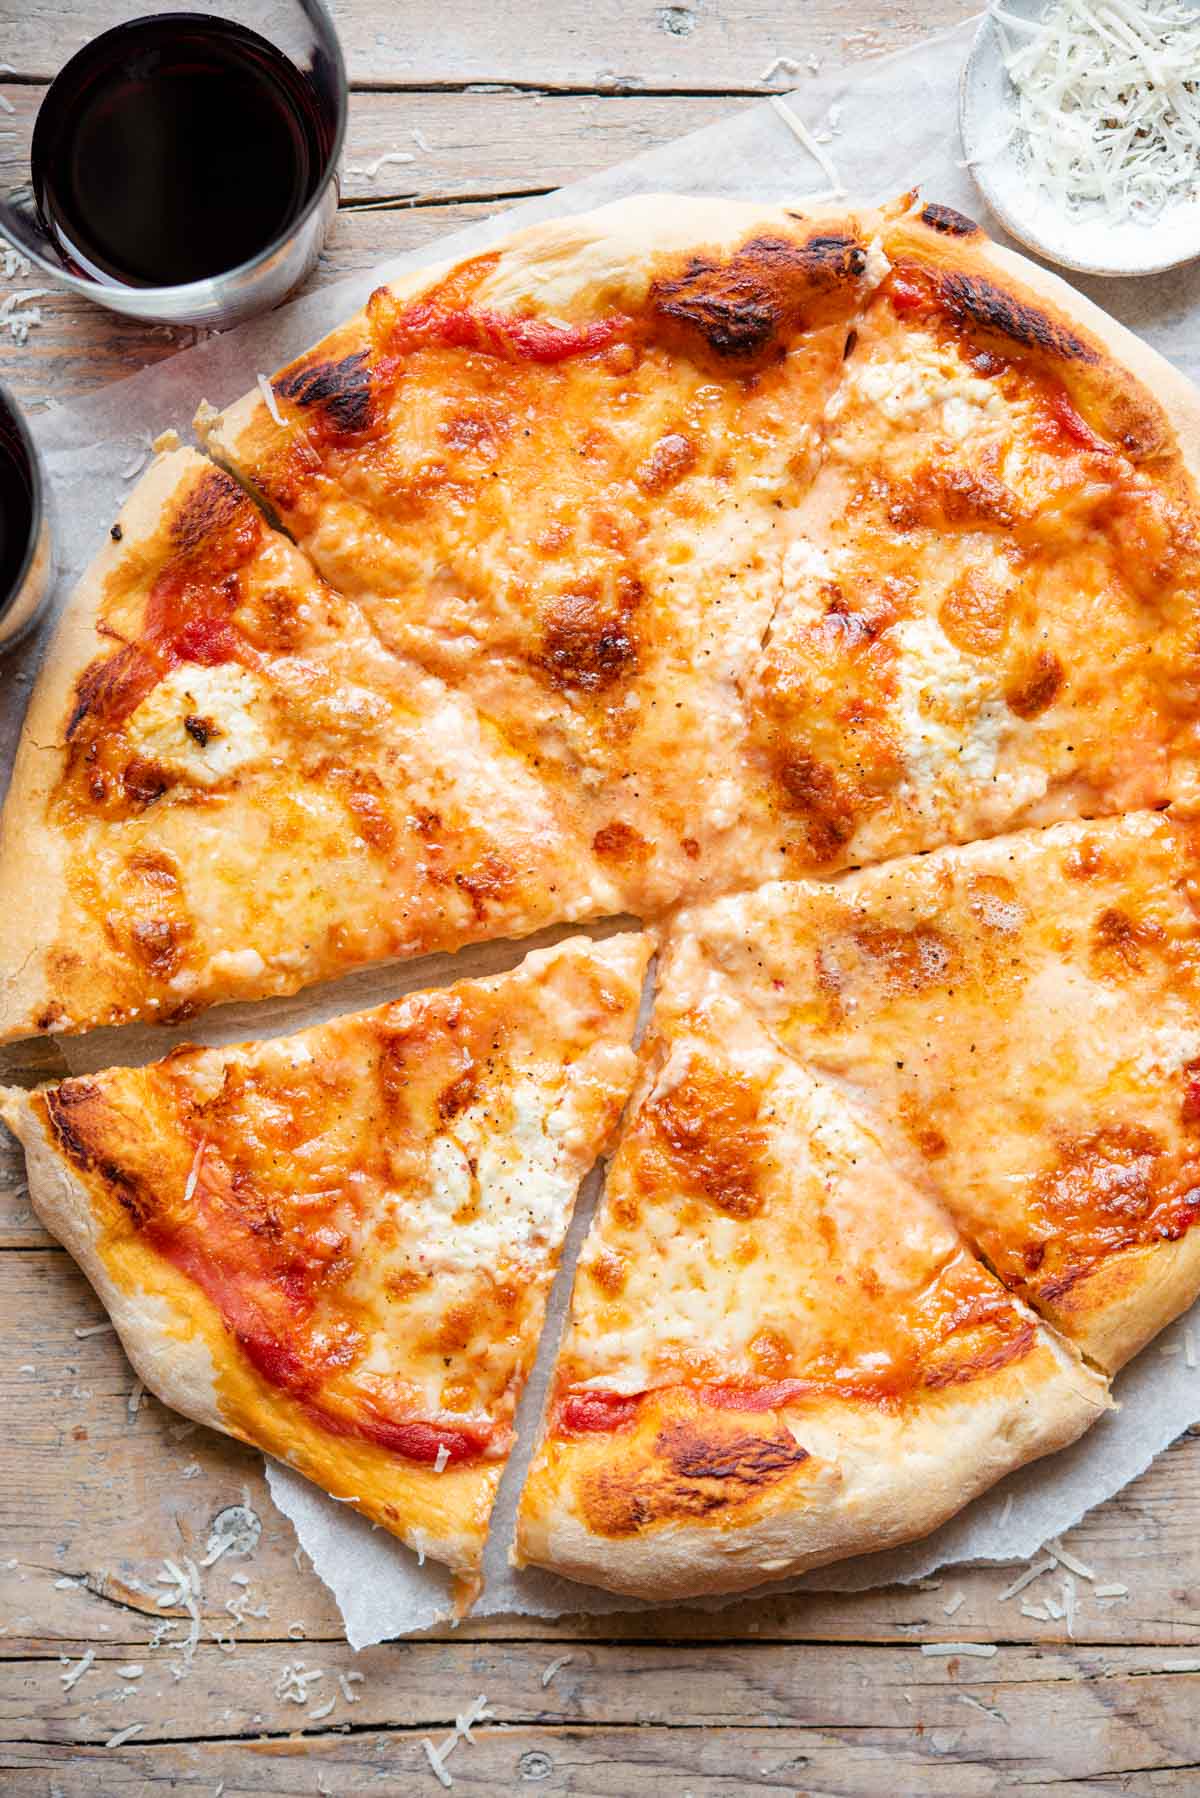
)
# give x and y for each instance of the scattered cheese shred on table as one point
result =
(981, 1650)
(800, 130)
(1107, 102)
(123, 1735)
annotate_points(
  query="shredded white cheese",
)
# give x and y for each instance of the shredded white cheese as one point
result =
(94, 1330)
(1047, 1565)
(123, 1735)
(955, 1603)
(443, 1456)
(1071, 1562)
(555, 1666)
(74, 1674)
(800, 130)
(982, 1651)
(369, 170)
(269, 400)
(1107, 102)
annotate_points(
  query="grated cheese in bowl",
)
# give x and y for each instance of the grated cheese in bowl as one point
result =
(1106, 102)
(1080, 123)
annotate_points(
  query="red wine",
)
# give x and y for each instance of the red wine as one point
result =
(173, 148)
(16, 504)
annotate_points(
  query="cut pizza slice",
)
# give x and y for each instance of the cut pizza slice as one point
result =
(337, 1245)
(560, 476)
(990, 613)
(780, 1350)
(227, 787)
(1022, 1017)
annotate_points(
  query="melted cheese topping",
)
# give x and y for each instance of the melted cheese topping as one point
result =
(258, 794)
(1037, 993)
(375, 1208)
(740, 1182)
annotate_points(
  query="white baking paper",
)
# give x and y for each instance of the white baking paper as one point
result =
(890, 125)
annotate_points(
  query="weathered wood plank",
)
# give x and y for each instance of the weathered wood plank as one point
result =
(103, 1497)
(464, 146)
(608, 1762)
(698, 44)
(1067, 1713)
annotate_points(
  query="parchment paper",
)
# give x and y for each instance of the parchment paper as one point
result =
(892, 125)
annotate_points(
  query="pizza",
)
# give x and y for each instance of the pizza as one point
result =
(227, 787)
(781, 1350)
(560, 476)
(1020, 1018)
(820, 586)
(337, 1245)
(988, 614)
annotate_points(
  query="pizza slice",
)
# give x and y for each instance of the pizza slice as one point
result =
(228, 787)
(1021, 1017)
(780, 1350)
(337, 1245)
(990, 613)
(560, 476)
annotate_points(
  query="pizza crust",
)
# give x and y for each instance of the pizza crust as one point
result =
(872, 1480)
(179, 1348)
(1145, 402)
(33, 855)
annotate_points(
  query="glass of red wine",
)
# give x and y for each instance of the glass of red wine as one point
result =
(26, 570)
(182, 166)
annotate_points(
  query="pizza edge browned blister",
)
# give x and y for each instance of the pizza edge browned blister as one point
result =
(703, 1480)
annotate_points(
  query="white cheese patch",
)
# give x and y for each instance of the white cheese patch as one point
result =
(953, 722)
(928, 388)
(202, 724)
(1170, 1048)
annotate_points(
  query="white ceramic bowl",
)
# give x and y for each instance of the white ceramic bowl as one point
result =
(1087, 241)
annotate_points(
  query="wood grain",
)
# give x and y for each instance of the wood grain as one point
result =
(696, 45)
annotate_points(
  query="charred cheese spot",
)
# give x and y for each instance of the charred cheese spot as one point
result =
(589, 642)
(708, 1142)
(1037, 686)
(672, 457)
(742, 307)
(821, 799)
(692, 1471)
(975, 614)
(339, 391)
(948, 222)
(1119, 942)
(1107, 1190)
(620, 842)
(909, 959)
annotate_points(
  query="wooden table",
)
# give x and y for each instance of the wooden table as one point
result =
(818, 1694)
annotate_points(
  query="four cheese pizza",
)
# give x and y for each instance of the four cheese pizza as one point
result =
(338, 1245)
(824, 584)
(1021, 1020)
(781, 1350)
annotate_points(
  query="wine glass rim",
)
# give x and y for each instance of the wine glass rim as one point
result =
(184, 292)
(37, 499)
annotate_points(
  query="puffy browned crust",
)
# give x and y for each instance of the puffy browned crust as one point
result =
(694, 1500)
(91, 1184)
(1130, 394)
(33, 858)
(727, 278)
(799, 1390)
